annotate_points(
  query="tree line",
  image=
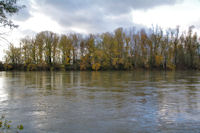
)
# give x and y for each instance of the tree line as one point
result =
(119, 50)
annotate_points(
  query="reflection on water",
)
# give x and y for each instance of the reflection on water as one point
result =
(111, 102)
(3, 95)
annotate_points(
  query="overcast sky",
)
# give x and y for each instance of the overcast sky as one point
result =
(97, 16)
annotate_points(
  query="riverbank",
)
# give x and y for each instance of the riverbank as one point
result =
(59, 67)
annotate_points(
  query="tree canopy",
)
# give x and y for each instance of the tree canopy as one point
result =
(118, 50)
(8, 8)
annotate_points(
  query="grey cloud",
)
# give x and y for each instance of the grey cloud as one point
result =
(28, 32)
(23, 13)
(124, 6)
(96, 15)
(110, 6)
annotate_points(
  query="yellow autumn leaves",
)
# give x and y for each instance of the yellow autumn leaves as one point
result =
(119, 50)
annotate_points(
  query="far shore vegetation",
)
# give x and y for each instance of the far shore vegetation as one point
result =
(118, 50)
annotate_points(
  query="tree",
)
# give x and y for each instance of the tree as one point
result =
(13, 55)
(65, 47)
(119, 50)
(75, 47)
(107, 47)
(39, 40)
(191, 45)
(25, 45)
(54, 48)
(8, 7)
(50, 43)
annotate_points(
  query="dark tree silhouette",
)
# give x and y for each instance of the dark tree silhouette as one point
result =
(8, 8)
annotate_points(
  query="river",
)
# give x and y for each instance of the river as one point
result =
(102, 102)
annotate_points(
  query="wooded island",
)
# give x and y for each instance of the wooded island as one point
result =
(119, 50)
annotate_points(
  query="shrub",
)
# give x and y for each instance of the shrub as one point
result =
(8, 67)
(32, 67)
(1, 66)
(6, 126)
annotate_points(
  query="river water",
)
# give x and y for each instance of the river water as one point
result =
(102, 102)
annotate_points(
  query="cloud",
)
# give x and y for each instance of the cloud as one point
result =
(183, 14)
(109, 6)
(97, 16)
(23, 13)
(94, 16)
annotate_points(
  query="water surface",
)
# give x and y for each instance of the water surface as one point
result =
(102, 102)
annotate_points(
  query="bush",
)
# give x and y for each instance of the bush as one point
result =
(1, 66)
(32, 67)
(6, 126)
(57, 67)
(8, 67)
(96, 66)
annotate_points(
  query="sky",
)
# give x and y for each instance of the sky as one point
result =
(98, 16)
